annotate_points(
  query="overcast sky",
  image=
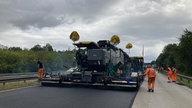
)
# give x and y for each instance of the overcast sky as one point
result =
(149, 23)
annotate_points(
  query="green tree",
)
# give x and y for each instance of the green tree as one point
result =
(167, 57)
(36, 48)
(14, 60)
(178, 55)
(184, 52)
(48, 47)
(15, 49)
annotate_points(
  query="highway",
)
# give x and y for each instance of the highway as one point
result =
(166, 95)
(66, 97)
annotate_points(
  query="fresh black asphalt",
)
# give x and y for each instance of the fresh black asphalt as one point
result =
(66, 97)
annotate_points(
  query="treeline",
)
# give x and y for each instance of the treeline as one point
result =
(178, 55)
(15, 59)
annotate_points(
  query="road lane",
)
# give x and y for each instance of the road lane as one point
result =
(166, 95)
(66, 97)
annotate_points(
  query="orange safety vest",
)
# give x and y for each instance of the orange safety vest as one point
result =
(169, 72)
(150, 72)
(174, 75)
(174, 72)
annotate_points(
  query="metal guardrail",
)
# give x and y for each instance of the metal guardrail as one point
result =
(5, 78)
(184, 76)
(13, 77)
(13, 74)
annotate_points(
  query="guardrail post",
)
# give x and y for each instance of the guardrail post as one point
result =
(3, 83)
(189, 81)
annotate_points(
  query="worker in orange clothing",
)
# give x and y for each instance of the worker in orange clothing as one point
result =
(169, 73)
(151, 72)
(40, 69)
(174, 74)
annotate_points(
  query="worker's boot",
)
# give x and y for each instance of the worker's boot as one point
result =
(152, 90)
(169, 81)
(149, 90)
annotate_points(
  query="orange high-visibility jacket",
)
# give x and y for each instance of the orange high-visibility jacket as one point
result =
(174, 72)
(169, 72)
(150, 72)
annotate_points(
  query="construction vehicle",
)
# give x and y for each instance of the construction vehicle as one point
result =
(102, 63)
(137, 70)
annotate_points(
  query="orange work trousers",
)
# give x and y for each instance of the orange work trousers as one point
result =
(174, 77)
(169, 75)
(151, 83)
(40, 73)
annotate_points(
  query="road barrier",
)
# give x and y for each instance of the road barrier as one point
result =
(13, 77)
(17, 74)
(5, 78)
(186, 77)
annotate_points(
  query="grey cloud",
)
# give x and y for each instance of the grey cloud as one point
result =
(153, 25)
(48, 13)
(38, 22)
(137, 21)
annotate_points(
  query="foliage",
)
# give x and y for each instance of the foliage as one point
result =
(167, 58)
(185, 51)
(14, 59)
(178, 55)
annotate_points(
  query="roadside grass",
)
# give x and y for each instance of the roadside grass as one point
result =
(18, 84)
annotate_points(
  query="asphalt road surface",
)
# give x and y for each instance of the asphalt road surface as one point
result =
(66, 97)
(166, 95)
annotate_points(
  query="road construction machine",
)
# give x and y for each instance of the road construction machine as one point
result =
(102, 63)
